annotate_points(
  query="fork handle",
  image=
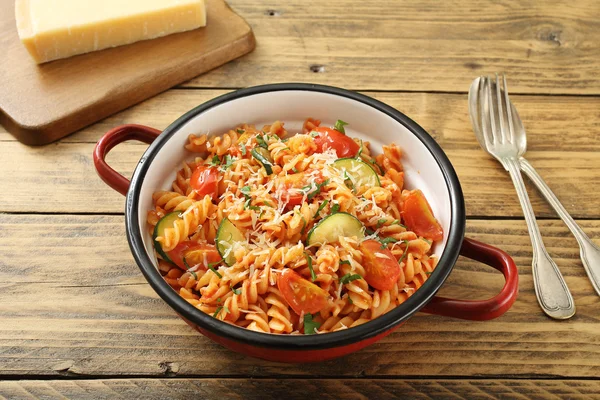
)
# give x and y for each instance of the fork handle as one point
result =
(589, 251)
(550, 287)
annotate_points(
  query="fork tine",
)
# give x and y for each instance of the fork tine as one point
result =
(511, 128)
(484, 123)
(503, 133)
(495, 136)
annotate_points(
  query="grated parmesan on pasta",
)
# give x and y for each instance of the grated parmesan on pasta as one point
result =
(275, 213)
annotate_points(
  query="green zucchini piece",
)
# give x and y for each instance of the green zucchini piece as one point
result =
(362, 174)
(264, 157)
(159, 230)
(330, 228)
(228, 235)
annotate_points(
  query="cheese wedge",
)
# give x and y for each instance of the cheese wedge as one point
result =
(53, 29)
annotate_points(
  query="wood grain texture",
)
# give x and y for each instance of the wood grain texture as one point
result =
(562, 133)
(41, 103)
(543, 47)
(275, 389)
(73, 303)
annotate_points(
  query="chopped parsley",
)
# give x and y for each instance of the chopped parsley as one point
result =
(262, 142)
(405, 252)
(313, 276)
(347, 180)
(303, 225)
(335, 208)
(243, 149)
(295, 170)
(224, 308)
(310, 326)
(380, 223)
(317, 189)
(187, 266)
(386, 241)
(339, 126)
(227, 162)
(314, 134)
(349, 278)
(236, 291)
(211, 266)
(266, 203)
(350, 300)
(321, 207)
(240, 131)
(246, 191)
(347, 262)
(360, 150)
(215, 160)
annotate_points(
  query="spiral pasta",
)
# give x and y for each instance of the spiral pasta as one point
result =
(235, 232)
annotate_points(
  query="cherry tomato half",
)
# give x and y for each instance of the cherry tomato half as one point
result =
(300, 294)
(382, 269)
(194, 254)
(205, 181)
(419, 218)
(330, 138)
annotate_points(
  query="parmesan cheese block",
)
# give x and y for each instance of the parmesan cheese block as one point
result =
(53, 29)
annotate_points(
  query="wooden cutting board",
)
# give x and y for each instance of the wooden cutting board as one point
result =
(42, 103)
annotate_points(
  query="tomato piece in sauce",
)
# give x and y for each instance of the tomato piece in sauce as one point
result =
(418, 216)
(205, 181)
(330, 138)
(303, 296)
(382, 269)
(194, 254)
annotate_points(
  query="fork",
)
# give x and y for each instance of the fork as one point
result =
(498, 137)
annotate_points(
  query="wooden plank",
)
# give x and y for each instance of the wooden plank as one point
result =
(73, 302)
(562, 131)
(41, 103)
(543, 47)
(301, 389)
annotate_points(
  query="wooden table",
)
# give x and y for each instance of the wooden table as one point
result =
(77, 318)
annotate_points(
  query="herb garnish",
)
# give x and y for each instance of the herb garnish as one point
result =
(311, 194)
(310, 326)
(349, 278)
(227, 162)
(224, 308)
(243, 149)
(313, 276)
(236, 291)
(262, 142)
(405, 251)
(386, 241)
(339, 126)
(335, 208)
(380, 223)
(215, 160)
(211, 266)
(360, 150)
(187, 266)
(350, 300)
(303, 225)
(347, 180)
(240, 131)
(295, 170)
(321, 207)
(347, 262)
(314, 134)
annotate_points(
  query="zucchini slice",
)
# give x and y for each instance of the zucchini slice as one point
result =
(228, 235)
(330, 228)
(159, 230)
(264, 157)
(361, 173)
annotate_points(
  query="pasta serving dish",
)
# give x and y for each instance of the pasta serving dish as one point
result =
(298, 222)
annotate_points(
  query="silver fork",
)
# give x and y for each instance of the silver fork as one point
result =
(494, 114)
